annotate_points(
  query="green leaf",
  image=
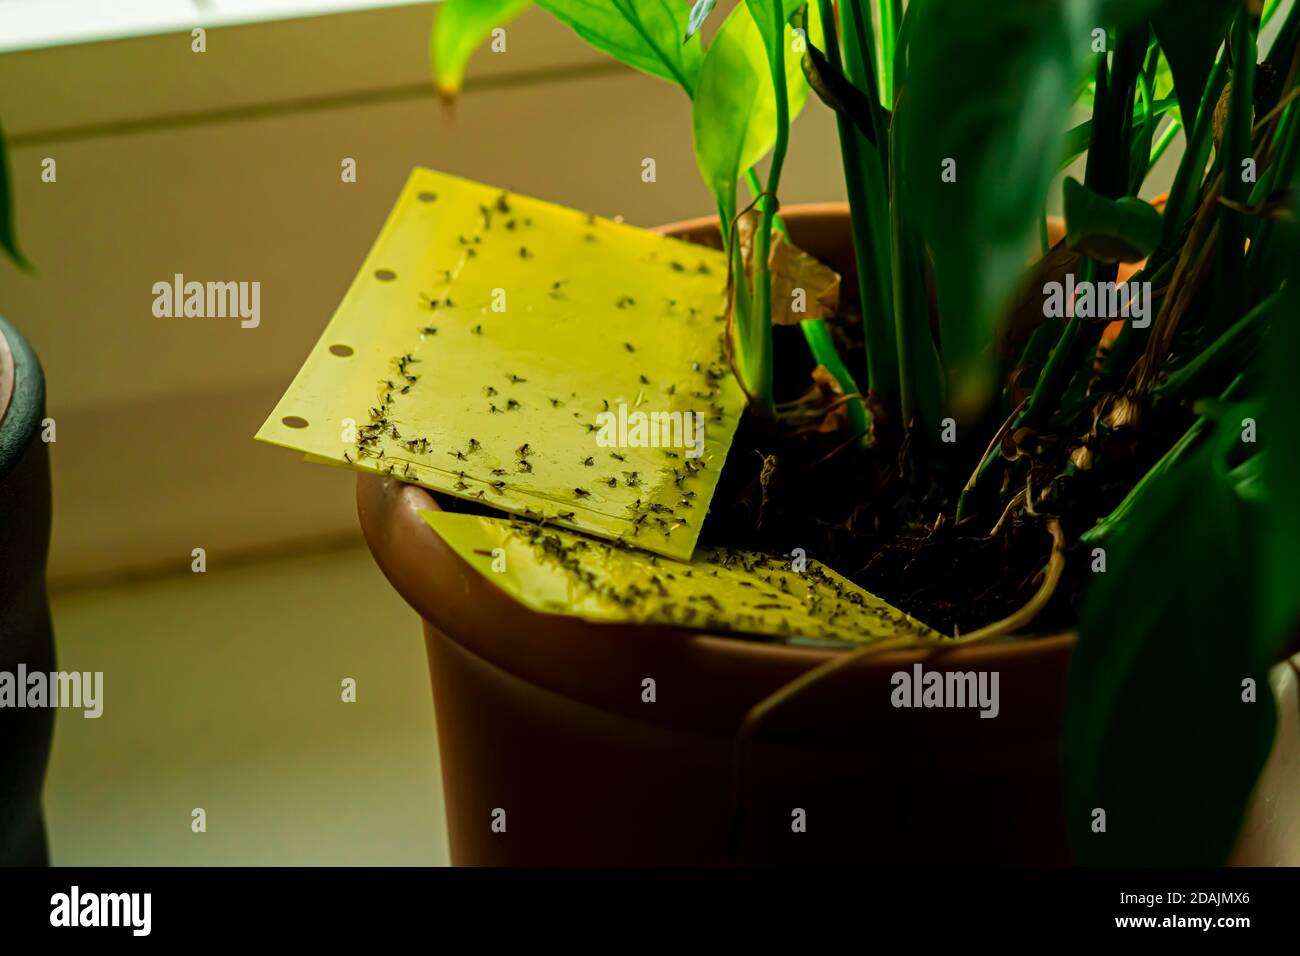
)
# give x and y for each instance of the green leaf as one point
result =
(1280, 421)
(644, 34)
(1109, 230)
(1249, 479)
(734, 115)
(989, 88)
(1164, 84)
(8, 235)
(699, 13)
(1156, 732)
(459, 28)
(762, 12)
(1190, 34)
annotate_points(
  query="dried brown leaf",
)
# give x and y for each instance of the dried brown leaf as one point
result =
(797, 277)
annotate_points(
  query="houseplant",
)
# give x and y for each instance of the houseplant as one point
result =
(983, 445)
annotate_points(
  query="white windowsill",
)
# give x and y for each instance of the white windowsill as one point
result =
(38, 24)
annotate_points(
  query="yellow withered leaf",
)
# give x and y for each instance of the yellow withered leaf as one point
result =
(803, 287)
(554, 571)
(546, 362)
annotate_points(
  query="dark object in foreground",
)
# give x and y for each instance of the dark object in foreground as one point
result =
(25, 633)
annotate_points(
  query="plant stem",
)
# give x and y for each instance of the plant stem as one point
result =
(920, 373)
(756, 186)
(1142, 148)
(820, 343)
(1228, 296)
(759, 339)
(1184, 190)
(1060, 365)
(1110, 151)
(868, 207)
(891, 14)
(1163, 142)
(1268, 258)
(1098, 133)
(741, 309)
(860, 67)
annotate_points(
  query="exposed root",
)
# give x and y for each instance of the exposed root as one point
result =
(1017, 499)
(849, 443)
(1025, 616)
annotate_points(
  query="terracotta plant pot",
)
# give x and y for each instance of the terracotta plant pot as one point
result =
(542, 716)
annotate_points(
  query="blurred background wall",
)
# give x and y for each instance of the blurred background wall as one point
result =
(225, 165)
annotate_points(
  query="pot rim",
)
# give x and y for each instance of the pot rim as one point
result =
(807, 210)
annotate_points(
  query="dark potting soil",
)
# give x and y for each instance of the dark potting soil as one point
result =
(873, 515)
(855, 511)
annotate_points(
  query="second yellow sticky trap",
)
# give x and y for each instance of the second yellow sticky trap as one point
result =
(557, 572)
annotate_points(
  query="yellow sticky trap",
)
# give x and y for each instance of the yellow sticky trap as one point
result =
(540, 360)
(556, 572)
